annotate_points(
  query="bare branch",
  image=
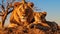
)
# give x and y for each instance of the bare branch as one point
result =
(9, 5)
(12, 1)
(36, 8)
(1, 14)
(19, 0)
(2, 7)
(10, 11)
(3, 10)
(2, 1)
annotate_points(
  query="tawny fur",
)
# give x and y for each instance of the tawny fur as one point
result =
(21, 12)
(40, 18)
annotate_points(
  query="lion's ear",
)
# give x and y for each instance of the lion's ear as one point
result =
(30, 4)
(44, 13)
(16, 4)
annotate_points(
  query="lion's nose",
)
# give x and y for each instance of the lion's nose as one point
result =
(24, 15)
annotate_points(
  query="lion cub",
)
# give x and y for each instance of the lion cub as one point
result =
(40, 18)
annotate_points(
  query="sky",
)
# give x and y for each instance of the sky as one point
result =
(52, 7)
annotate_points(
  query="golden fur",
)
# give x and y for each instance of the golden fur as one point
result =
(40, 18)
(12, 25)
(22, 13)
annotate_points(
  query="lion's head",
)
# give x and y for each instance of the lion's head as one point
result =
(40, 16)
(22, 12)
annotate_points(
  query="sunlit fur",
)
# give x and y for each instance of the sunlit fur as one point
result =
(40, 18)
(12, 25)
(22, 13)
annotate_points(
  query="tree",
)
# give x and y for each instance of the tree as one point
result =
(5, 10)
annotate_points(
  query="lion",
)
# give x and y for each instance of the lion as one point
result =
(22, 13)
(40, 18)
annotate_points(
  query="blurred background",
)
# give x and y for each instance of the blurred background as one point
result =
(52, 7)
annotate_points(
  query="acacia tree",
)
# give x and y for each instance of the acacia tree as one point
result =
(5, 10)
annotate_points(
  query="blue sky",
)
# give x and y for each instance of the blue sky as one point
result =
(52, 7)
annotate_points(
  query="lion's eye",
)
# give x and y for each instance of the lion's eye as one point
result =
(41, 16)
(16, 5)
(27, 10)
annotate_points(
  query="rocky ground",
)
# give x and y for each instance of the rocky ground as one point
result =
(33, 29)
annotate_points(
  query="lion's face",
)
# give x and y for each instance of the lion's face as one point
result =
(39, 16)
(24, 11)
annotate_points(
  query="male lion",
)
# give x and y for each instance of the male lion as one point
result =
(22, 13)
